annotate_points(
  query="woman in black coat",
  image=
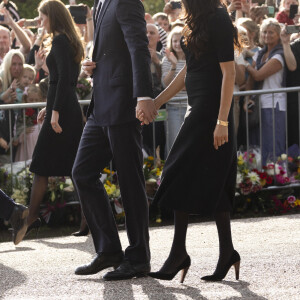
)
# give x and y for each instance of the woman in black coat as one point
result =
(60, 134)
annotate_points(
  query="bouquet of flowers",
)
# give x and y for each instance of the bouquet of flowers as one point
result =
(30, 117)
(247, 181)
(83, 87)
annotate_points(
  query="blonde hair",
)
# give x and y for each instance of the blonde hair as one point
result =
(27, 67)
(175, 30)
(5, 67)
(32, 88)
(251, 26)
(60, 20)
(268, 23)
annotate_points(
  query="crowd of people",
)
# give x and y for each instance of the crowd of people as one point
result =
(147, 62)
(268, 60)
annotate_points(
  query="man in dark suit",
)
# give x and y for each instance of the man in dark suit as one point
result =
(121, 76)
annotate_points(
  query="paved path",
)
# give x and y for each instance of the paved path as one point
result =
(270, 266)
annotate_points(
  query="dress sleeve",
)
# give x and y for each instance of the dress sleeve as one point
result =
(221, 35)
(62, 59)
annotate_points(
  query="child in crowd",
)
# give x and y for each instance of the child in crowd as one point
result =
(31, 94)
(26, 79)
(163, 21)
(283, 15)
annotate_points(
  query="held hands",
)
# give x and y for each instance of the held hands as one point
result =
(220, 136)
(54, 122)
(146, 111)
(88, 66)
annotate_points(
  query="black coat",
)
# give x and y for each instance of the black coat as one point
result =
(123, 62)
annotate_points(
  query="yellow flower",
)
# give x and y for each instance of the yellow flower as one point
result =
(158, 220)
(150, 158)
(108, 182)
(297, 202)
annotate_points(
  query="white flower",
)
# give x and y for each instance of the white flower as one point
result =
(239, 179)
(283, 156)
(254, 178)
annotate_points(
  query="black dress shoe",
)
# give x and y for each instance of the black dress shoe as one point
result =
(101, 262)
(128, 270)
(18, 221)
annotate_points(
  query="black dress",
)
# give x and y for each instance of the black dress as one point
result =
(197, 178)
(54, 153)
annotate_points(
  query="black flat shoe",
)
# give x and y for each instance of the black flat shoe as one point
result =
(35, 225)
(234, 261)
(184, 267)
(128, 270)
(100, 262)
(82, 232)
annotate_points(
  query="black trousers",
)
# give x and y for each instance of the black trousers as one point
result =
(6, 206)
(98, 146)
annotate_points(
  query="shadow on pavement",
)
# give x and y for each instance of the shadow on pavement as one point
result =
(18, 249)
(243, 288)
(81, 246)
(10, 278)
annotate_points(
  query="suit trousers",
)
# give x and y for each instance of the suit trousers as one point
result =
(6, 206)
(98, 146)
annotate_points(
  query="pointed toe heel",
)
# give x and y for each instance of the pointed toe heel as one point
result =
(184, 267)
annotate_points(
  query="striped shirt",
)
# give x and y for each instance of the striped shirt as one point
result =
(166, 67)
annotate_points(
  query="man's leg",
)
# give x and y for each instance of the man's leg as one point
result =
(93, 155)
(126, 141)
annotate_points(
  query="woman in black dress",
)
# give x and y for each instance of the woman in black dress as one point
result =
(60, 134)
(200, 171)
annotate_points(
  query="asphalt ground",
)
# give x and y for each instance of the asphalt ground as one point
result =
(270, 265)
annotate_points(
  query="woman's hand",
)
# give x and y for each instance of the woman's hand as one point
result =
(40, 58)
(249, 103)
(171, 58)
(41, 116)
(220, 136)
(54, 121)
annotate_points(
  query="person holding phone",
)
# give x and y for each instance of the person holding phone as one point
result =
(287, 11)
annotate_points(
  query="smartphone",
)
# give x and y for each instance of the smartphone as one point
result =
(1, 18)
(293, 11)
(175, 4)
(271, 11)
(250, 105)
(31, 23)
(78, 12)
(292, 29)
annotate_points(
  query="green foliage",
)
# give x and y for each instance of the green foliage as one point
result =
(154, 6)
(28, 8)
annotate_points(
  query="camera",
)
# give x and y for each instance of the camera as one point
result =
(293, 11)
(1, 18)
(175, 4)
(292, 29)
(78, 12)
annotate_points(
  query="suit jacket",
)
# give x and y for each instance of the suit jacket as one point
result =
(122, 59)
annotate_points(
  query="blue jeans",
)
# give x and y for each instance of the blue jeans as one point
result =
(267, 133)
(176, 115)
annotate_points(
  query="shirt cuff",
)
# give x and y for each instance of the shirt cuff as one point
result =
(143, 98)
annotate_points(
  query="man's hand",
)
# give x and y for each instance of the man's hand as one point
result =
(146, 111)
(154, 57)
(88, 66)
(8, 20)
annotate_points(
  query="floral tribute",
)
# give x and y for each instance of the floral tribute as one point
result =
(83, 87)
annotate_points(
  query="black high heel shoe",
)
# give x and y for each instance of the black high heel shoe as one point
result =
(184, 267)
(234, 261)
(82, 232)
(35, 225)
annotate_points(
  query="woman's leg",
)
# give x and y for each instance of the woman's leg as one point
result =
(178, 251)
(225, 240)
(38, 190)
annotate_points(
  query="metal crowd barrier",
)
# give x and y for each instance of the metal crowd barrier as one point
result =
(163, 116)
